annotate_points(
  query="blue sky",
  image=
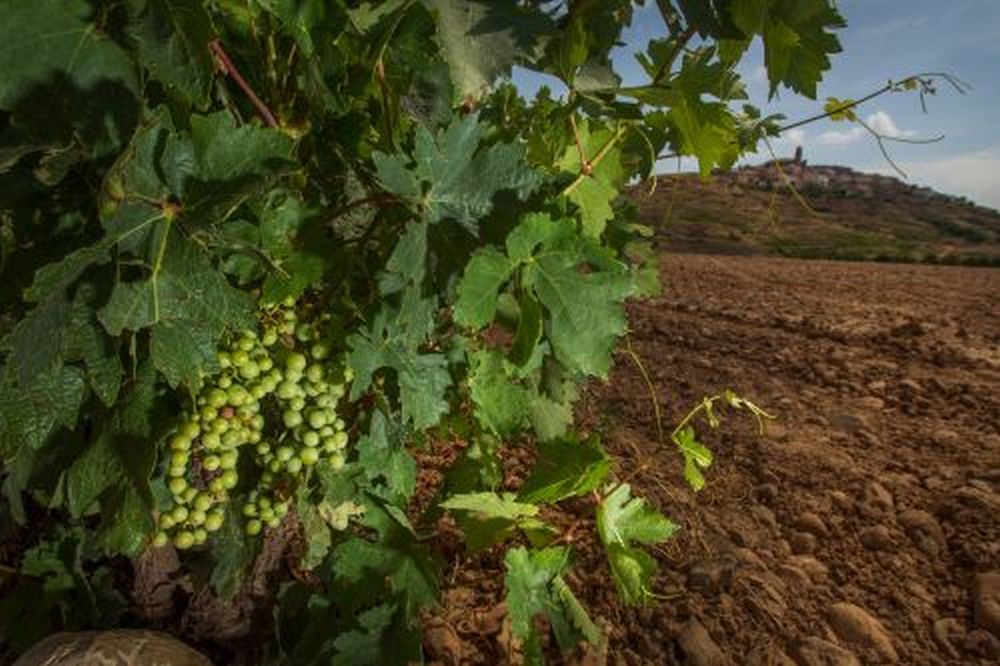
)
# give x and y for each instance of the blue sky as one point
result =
(886, 39)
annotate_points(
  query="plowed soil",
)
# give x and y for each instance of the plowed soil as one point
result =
(863, 527)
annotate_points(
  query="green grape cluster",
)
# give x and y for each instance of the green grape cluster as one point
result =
(275, 396)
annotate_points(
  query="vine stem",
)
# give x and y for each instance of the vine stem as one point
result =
(226, 66)
(598, 158)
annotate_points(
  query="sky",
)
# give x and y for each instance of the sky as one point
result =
(884, 39)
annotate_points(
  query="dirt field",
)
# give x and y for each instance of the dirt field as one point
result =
(854, 531)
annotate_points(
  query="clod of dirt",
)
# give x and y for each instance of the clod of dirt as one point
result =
(810, 523)
(713, 575)
(876, 537)
(855, 625)
(877, 498)
(817, 652)
(947, 632)
(764, 516)
(803, 543)
(442, 642)
(118, 646)
(816, 570)
(986, 601)
(155, 582)
(924, 529)
(768, 655)
(842, 501)
(698, 646)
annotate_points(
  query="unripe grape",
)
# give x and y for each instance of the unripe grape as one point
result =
(274, 522)
(297, 404)
(274, 466)
(179, 458)
(190, 430)
(317, 418)
(281, 509)
(320, 351)
(190, 494)
(184, 540)
(315, 373)
(263, 448)
(216, 485)
(211, 463)
(341, 439)
(240, 358)
(161, 539)
(216, 397)
(228, 459)
(289, 302)
(177, 471)
(291, 418)
(311, 438)
(285, 453)
(294, 465)
(213, 521)
(250, 370)
(211, 441)
(309, 457)
(229, 479)
(249, 509)
(196, 517)
(224, 359)
(265, 364)
(253, 527)
(336, 461)
(224, 382)
(295, 362)
(348, 374)
(270, 337)
(202, 502)
(246, 345)
(166, 521)
(179, 513)
(200, 536)
(180, 443)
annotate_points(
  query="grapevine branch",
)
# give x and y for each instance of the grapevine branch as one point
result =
(226, 66)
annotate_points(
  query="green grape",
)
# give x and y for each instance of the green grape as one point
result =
(196, 517)
(348, 374)
(341, 439)
(202, 502)
(274, 522)
(200, 536)
(246, 344)
(249, 509)
(213, 521)
(294, 465)
(190, 494)
(190, 430)
(177, 471)
(161, 539)
(287, 389)
(184, 540)
(229, 479)
(240, 358)
(224, 359)
(320, 351)
(326, 431)
(179, 458)
(270, 337)
(274, 466)
(224, 382)
(180, 443)
(216, 397)
(250, 370)
(295, 362)
(216, 485)
(336, 461)
(285, 453)
(211, 441)
(311, 438)
(291, 418)
(211, 463)
(231, 439)
(289, 302)
(281, 509)
(228, 460)
(297, 404)
(167, 521)
(179, 513)
(265, 364)
(309, 457)
(315, 373)
(304, 333)
(317, 419)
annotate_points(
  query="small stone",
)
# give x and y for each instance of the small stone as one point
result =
(947, 631)
(986, 601)
(816, 570)
(749, 558)
(877, 497)
(817, 652)
(768, 655)
(855, 625)
(842, 501)
(698, 646)
(876, 537)
(764, 515)
(810, 523)
(924, 529)
(794, 575)
(766, 492)
(713, 575)
(803, 543)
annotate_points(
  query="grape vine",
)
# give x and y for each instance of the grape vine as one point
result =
(256, 254)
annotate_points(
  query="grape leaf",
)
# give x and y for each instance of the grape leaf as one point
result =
(459, 178)
(384, 457)
(488, 518)
(391, 341)
(30, 414)
(622, 520)
(402, 566)
(366, 646)
(565, 468)
(501, 404)
(484, 40)
(171, 39)
(696, 457)
(535, 587)
(484, 275)
(315, 531)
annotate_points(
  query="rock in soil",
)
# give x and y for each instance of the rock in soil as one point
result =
(855, 625)
(698, 646)
(876, 537)
(131, 647)
(924, 529)
(986, 601)
(817, 652)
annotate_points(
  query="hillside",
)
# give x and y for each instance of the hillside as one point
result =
(841, 214)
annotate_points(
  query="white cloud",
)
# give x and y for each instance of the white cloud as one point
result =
(795, 136)
(975, 175)
(880, 121)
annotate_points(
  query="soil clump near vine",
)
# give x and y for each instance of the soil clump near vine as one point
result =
(862, 528)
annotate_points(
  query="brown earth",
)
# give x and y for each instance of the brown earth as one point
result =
(856, 531)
